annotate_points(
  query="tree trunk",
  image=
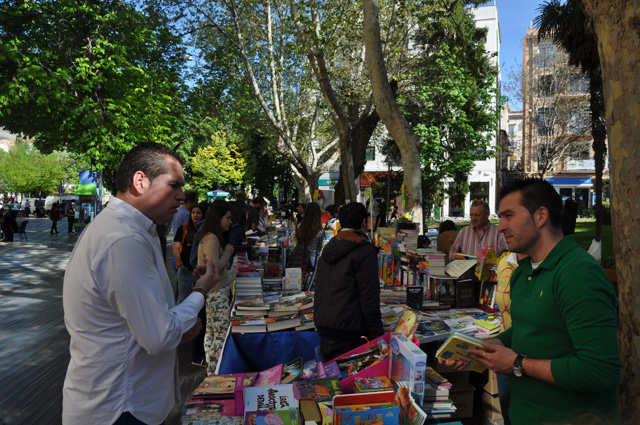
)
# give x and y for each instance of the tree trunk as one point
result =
(599, 134)
(616, 24)
(390, 114)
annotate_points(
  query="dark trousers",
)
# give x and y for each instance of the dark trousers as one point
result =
(71, 220)
(128, 419)
(54, 226)
(334, 347)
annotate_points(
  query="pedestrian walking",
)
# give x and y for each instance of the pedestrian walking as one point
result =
(55, 215)
(71, 217)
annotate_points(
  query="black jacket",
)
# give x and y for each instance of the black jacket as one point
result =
(347, 296)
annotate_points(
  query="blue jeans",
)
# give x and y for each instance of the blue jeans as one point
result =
(504, 395)
(185, 283)
(128, 419)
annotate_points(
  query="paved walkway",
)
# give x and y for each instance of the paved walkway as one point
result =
(34, 343)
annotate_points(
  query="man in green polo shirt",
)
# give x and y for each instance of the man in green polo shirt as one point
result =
(562, 350)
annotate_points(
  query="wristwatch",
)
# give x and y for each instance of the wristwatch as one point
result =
(518, 370)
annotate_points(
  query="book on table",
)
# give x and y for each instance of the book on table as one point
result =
(271, 417)
(321, 389)
(362, 408)
(310, 413)
(292, 371)
(270, 397)
(456, 348)
(223, 386)
(248, 324)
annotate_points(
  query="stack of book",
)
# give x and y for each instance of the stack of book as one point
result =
(273, 312)
(248, 286)
(437, 402)
(487, 325)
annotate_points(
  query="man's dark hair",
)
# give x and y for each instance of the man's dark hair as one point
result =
(481, 203)
(259, 201)
(537, 193)
(447, 225)
(352, 215)
(239, 214)
(190, 197)
(150, 158)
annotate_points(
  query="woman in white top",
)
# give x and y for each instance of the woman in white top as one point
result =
(213, 244)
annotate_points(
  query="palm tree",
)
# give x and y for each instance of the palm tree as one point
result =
(566, 23)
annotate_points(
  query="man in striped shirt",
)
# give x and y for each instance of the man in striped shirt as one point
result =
(480, 233)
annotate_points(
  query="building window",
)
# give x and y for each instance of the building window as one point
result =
(371, 154)
(545, 156)
(545, 121)
(580, 122)
(479, 191)
(546, 53)
(546, 86)
(579, 86)
(512, 129)
(580, 151)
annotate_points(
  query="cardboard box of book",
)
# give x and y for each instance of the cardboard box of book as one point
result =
(380, 368)
(486, 381)
(491, 406)
(462, 397)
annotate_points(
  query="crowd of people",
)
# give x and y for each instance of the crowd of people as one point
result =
(558, 350)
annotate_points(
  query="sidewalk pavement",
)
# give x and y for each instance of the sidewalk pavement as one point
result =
(34, 343)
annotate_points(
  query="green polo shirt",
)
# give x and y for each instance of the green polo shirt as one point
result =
(564, 310)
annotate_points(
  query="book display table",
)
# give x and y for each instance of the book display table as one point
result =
(254, 352)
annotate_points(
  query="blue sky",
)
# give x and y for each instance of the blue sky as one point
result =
(514, 17)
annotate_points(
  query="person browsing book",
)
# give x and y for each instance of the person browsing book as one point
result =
(213, 245)
(118, 301)
(347, 297)
(479, 234)
(561, 351)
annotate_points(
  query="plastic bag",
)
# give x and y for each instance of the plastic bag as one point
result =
(596, 250)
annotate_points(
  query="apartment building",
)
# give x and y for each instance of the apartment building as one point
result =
(556, 122)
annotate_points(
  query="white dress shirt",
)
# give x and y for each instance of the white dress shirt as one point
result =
(124, 325)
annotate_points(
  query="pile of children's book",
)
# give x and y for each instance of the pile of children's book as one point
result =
(339, 392)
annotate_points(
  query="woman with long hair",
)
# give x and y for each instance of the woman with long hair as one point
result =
(182, 243)
(213, 244)
(237, 237)
(310, 236)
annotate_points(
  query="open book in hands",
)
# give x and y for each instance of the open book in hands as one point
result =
(456, 348)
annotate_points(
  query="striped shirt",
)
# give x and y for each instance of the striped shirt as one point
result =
(468, 242)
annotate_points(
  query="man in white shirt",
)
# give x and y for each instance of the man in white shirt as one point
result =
(118, 302)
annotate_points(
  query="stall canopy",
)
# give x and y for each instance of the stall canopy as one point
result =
(217, 194)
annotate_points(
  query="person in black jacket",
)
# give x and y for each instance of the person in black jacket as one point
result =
(347, 297)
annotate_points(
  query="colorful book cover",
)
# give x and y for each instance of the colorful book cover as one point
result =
(223, 420)
(407, 363)
(310, 369)
(372, 383)
(440, 382)
(407, 324)
(271, 417)
(363, 408)
(292, 371)
(221, 386)
(272, 397)
(199, 409)
(271, 376)
(323, 389)
(456, 348)
(331, 369)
